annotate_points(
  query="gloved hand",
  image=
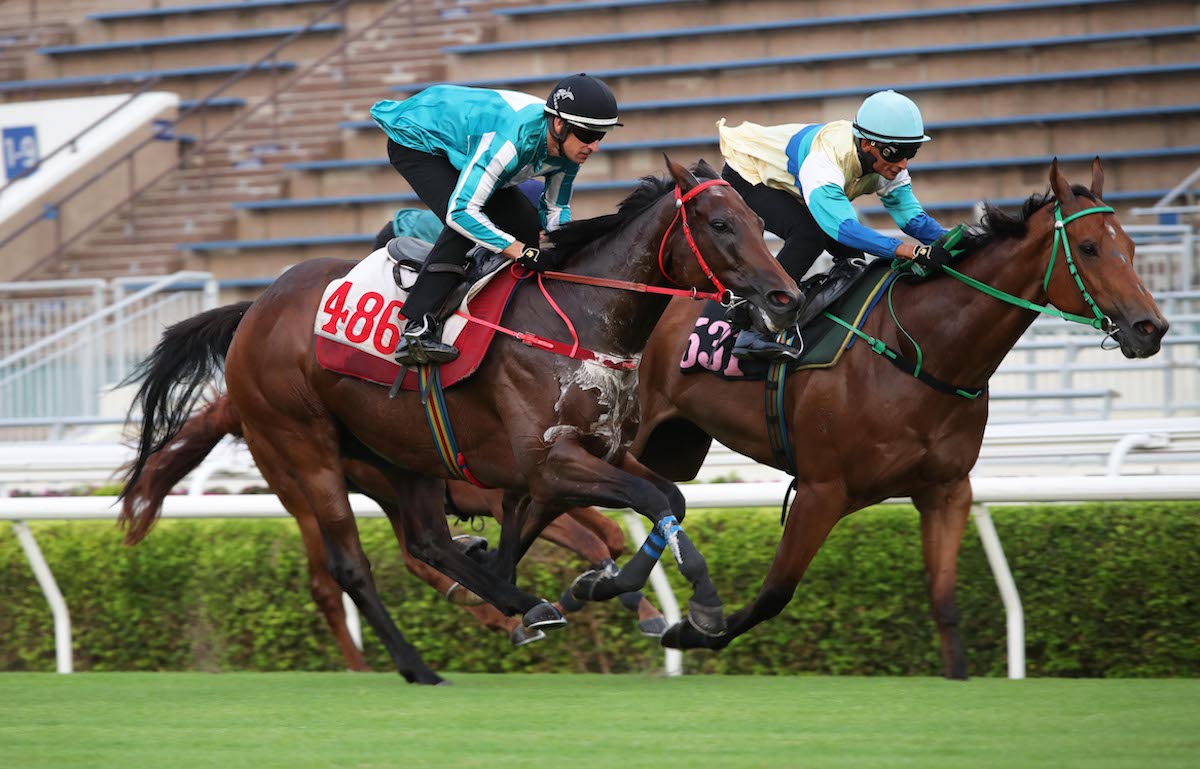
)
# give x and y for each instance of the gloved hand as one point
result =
(537, 260)
(932, 257)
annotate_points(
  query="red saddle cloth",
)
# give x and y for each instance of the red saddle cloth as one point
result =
(356, 338)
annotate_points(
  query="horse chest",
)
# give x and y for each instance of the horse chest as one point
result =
(597, 404)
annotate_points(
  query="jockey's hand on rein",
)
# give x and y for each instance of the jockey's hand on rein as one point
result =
(931, 257)
(537, 260)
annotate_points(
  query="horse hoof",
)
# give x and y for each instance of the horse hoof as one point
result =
(544, 615)
(709, 620)
(682, 635)
(469, 544)
(654, 627)
(585, 584)
(460, 596)
(522, 637)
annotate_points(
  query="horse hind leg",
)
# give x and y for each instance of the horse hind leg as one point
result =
(297, 465)
(328, 594)
(944, 511)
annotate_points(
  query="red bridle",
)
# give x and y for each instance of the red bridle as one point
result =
(721, 294)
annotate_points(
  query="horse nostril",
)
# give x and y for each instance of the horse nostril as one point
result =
(1148, 328)
(781, 298)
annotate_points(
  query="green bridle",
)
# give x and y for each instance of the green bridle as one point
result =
(950, 240)
(1099, 321)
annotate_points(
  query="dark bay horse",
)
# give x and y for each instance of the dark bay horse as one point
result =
(585, 531)
(864, 431)
(552, 429)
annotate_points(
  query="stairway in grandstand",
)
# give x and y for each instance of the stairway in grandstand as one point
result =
(83, 49)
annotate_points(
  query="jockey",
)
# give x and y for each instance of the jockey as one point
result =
(464, 151)
(801, 178)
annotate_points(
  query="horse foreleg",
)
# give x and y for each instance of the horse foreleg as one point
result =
(569, 469)
(599, 540)
(944, 510)
(422, 525)
(812, 515)
(327, 593)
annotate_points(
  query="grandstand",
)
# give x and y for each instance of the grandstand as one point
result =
(267, 156)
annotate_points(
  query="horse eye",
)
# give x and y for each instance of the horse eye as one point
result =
(719, 225)
(1089, 248)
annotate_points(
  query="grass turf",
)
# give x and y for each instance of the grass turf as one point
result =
(361, 721)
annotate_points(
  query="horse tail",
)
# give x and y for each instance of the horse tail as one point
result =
(142, 500)
(172, 379)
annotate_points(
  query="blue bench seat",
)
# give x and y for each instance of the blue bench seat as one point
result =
(717, 67)
(164, 42)
(610, 5)
(181, 10)
(1067, 6)
(298, 242)
(1045, 118)
(141, 76)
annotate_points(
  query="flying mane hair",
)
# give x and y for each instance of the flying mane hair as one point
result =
(996, 224)
(574, 235)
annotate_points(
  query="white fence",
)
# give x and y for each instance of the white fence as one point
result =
(1114, 441)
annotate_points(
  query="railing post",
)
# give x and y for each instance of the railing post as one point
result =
(1013, 611)
(58, 606)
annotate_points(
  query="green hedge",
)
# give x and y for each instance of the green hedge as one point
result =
(1108, 590)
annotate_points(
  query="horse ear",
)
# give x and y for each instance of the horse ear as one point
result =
(704, 169)
(683, 177)
(1059, 184)
(1097, 178)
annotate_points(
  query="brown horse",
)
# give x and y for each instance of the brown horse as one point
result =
(585, 531)
(864, 431)
(552, 427)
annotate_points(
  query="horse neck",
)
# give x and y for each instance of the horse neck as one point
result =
(969, 331)
(626, 318)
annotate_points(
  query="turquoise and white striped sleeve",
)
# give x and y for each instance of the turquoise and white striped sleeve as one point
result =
(555, 206)
(906, 211)
(491, 164)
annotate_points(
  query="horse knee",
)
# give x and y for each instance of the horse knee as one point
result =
(350, 574)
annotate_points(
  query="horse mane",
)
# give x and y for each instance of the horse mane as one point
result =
(574, 235)
(997, 225)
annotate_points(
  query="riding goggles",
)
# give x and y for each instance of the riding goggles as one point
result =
(893, 153)
(586, 135)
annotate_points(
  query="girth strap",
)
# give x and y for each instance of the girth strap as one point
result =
(433, 398)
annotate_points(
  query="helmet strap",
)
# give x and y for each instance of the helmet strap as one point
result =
(866, 159)
(559, 137)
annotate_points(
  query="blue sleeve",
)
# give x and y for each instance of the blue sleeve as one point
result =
(838, 219)
(909, 216)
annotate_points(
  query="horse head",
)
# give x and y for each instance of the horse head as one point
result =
(1103, 282)
(722, 238)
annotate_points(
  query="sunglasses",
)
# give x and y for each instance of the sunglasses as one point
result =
(893, 153)
(586, 135)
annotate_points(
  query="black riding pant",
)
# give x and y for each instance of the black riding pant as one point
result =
(788, 217)
(433, 178)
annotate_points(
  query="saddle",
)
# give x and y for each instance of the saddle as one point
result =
(850, 294)
(358, 324)
(409, 254)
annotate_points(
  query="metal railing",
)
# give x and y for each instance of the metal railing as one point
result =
(66, 371)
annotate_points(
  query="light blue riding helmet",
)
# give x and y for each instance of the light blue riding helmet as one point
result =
(890, 117)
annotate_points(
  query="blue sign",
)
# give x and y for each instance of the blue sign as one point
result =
(20, 151)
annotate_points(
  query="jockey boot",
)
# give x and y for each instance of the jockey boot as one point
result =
(752, 344)
(420, 344)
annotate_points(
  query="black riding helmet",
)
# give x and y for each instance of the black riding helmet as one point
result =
(584, 101)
